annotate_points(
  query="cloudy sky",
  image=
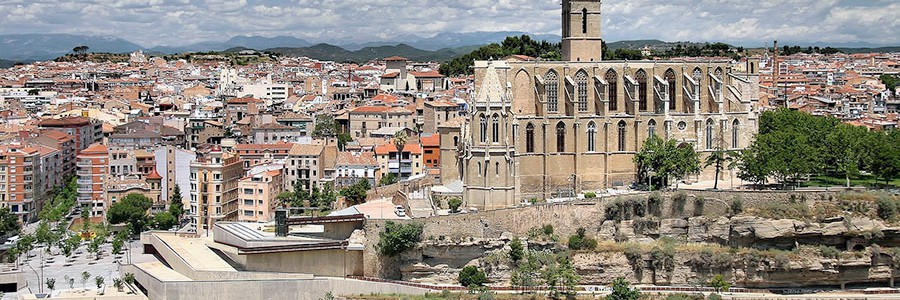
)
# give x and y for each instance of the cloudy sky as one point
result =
(180, 22)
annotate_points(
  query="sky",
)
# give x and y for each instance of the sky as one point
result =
(180, 22)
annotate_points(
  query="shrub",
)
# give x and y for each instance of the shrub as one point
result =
(654, 204)
(547, 229)
(714, 297)
(684, 297)
(678, 202)
(635, 257)
(516, 250)
(579, 241)
(472, 277)
(663, 259)
(396, 238)
(623, 291)
(777, 210)
(829, 252)
(590, 195)
(454, 204)
(719, 283)
(887, 208)
(737, 206)
(699, 206)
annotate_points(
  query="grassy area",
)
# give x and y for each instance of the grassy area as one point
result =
(862, 180)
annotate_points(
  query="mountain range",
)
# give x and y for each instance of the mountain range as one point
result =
(30, 47)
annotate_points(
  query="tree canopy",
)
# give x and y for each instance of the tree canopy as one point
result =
(356, 193)
(661, 160)
(514, 45)
(132, 209)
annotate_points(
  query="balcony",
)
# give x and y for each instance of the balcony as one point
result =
(84, 181)
(84, 199)
(82, 164)
(82, 190)
(83, 173)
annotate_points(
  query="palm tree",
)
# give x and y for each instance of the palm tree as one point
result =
(400, 139)
(721, 159)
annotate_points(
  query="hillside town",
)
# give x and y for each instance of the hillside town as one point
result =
(227, 175)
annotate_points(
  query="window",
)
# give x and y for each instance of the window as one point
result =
(479, 169)
(529, 138)
(592, 137)
(497, 169)
(560, 137)
(581, 82)
(611, 79)
(709, 134)
(483, 129)
(697, 75)
(651, 128)
(495, 129)
(670, 79)
(248, 191)
(621, 135)
(735, 134)
(642, 89)
(584, 17)
(552, 89)
(248, 202)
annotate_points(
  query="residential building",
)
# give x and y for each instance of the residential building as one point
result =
(351, 167)
(18, 181)
(404, 163)
(215, 175)
(85, 131)
(304, 166)
(257, 193)
(93, 168)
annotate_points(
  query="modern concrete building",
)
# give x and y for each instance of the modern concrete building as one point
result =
(93, 167)
(85, 131)
(18, 181)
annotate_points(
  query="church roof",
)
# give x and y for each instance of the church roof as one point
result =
(491, 89)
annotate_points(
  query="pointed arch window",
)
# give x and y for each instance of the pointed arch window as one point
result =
(584, 18)
(651, 128)
(560, 137)
(581, 82)
(552, 89)
(697, 75)
(495, 129)
(529, 138)
(709, 133)
(612, 80)
(592, 137)
(670, 79)
(621, 135)
(718, 73)
(642, 89)
(735, 134)
(483, 130)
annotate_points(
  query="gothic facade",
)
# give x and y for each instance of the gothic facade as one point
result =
(545, 129)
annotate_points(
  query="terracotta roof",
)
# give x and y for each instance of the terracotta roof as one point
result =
(369, 109)
(433, 140)
(429, 74)
(306, 150)
(453, 123)
(390, 75)
(244, 100)
(389, 147)
(396, 58)
(65, 122)
(96, 149)
(57, 135)
(154, 175)
(276, 146)
(356, 159)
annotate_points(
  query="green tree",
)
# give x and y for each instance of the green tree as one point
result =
(514, 45)
(388, 179)
(454, 204)
(98, 281)
(51, 284)
(9, 222)
(84, 278)
(516, 250)
(396, 238)
(132, 209)
(176, 204)
(70, 244)
(471, 277)
(890, 82)
(661, 161)
(356, 193)
(400, 140)
(845, 150)
(328, 196)
(164, 221)
(325, 126)
(285, 199)
(719, 283)
(623, 291)
(720, 159)
(884, 155)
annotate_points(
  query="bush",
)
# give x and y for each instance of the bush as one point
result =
(829, 252)
(654, 204)
(678, 202)
(777, 210)
(454, 204)
(623, 291)
(472, 277)
(590, 195)
(663, 259)
(699, 206)
(625, 209)
(684, 297)
(887, 208)
(719, 283)
(737, 206)
(547, 229)
(635, 257)
(581, 242)
(714, 297)
(396, 238)
(516, 250)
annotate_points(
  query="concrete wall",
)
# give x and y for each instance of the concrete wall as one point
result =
(336, 262)
(271, 289)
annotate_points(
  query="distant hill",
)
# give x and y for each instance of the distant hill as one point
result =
(249, 42)
(870, 50)
(335, 53)
(49, 46)
(6, 63)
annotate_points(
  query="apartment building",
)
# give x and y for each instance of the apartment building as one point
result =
(215, 175)
(258, 192)
(18, 183)
(85, 131)
(404, 164)
(93, 167)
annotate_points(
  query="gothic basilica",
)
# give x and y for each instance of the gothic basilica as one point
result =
(540, 129)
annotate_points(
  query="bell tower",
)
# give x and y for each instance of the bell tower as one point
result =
(581, 30)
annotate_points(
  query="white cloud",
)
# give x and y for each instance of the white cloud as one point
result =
(178, 22)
